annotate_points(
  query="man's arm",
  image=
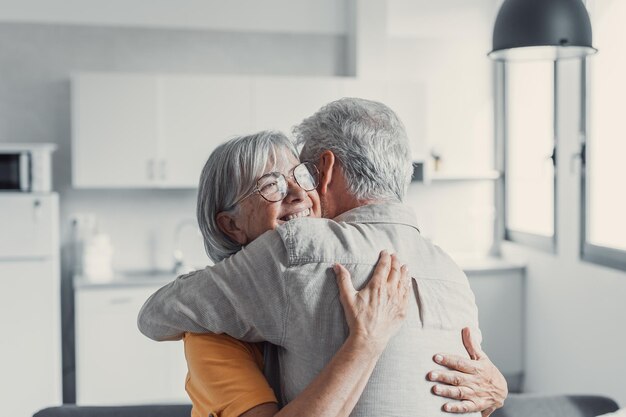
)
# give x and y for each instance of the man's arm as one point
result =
(243, 296)
(476, 383)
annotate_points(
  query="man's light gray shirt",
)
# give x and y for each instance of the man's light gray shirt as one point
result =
(281, 288)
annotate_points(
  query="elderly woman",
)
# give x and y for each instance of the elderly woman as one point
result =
(250, 185)
(265, 185)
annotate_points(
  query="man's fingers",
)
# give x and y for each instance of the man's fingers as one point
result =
(455, 393)
(344, 282)
(452, 378)
(465, 406)
(381, 272)
(456, 363)
(473, 349)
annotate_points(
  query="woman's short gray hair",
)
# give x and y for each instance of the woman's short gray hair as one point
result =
(229, 174)
(369, 141)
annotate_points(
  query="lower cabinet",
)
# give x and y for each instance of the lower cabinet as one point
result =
(500, 299)
(115, 363)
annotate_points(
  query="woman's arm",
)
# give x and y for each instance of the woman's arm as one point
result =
(374, 314)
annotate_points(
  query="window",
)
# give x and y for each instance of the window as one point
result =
(604, 167)
(530, 154)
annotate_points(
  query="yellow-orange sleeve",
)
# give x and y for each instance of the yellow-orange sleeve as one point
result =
(225, 376)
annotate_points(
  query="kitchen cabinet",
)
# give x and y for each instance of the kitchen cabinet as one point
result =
(149, 131)
(114, 131)
(156, 131)
(282, 102)
(499, 292)
(197, 113)
(115, 363)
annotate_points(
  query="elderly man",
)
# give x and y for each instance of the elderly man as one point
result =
(283, 289)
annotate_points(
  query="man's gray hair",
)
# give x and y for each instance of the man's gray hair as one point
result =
(368, 140)
(229, 174)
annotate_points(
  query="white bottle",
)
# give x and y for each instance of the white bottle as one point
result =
(98, 258)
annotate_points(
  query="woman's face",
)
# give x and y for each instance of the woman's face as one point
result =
(257, 215)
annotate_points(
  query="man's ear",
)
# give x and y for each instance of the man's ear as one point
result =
(326, 165)
(228, 225)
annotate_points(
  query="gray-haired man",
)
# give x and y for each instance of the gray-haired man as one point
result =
(364, 160)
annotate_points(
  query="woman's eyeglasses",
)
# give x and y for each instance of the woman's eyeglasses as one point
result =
(273, 187)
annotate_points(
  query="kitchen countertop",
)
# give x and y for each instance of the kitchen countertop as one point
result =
(127, 279)
(471, 266)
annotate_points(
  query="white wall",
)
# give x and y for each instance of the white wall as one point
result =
(575, 311)
(453, 66)
(273, 16)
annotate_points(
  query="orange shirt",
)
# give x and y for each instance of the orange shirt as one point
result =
(225, 376)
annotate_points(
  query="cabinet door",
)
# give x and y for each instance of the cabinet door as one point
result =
(114, 122)
(115, 363)
(28, 224)
(196, 114)
(499, 297)
(283, 102)
(30, 346)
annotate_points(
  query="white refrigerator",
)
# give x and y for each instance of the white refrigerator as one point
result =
(30, 303)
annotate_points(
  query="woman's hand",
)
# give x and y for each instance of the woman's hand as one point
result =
(375, 313)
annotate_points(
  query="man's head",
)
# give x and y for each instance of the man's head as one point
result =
(362, 150)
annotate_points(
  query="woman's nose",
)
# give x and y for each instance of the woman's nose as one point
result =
(295, 193)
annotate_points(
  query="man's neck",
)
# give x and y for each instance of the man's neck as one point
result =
(352, 203)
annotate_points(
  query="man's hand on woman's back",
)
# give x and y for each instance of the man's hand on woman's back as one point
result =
(476, 383)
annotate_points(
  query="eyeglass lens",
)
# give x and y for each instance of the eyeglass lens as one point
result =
(273, 186)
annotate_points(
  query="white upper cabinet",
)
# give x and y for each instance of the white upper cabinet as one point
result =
(196, 114)
(114, 137)
(134, 130)
(280, 103)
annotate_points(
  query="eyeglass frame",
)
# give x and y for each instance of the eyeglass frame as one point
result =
(315, 174)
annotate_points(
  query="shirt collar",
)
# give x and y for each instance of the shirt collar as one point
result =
(380, 213)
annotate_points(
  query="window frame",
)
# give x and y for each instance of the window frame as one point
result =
(599, 255)
(543, 243)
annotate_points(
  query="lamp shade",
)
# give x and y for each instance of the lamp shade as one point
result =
(542, 29)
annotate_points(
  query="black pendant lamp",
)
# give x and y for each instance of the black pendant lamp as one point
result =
(541, 30)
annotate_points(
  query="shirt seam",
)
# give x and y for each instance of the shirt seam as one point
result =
(286, 286)
(246, 402)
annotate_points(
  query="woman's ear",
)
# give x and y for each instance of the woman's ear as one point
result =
(326, 165)
(228, 225)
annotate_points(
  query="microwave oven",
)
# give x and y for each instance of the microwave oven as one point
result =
(26, 167)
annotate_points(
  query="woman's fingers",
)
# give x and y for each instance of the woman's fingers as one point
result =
(344, 282)
(382, 270)
(394, 272)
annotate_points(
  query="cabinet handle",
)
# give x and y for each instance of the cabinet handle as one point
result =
(150, 167)
(163, 169)
(120, 300)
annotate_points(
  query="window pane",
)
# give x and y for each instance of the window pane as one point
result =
(607, 129)
(530, 141)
